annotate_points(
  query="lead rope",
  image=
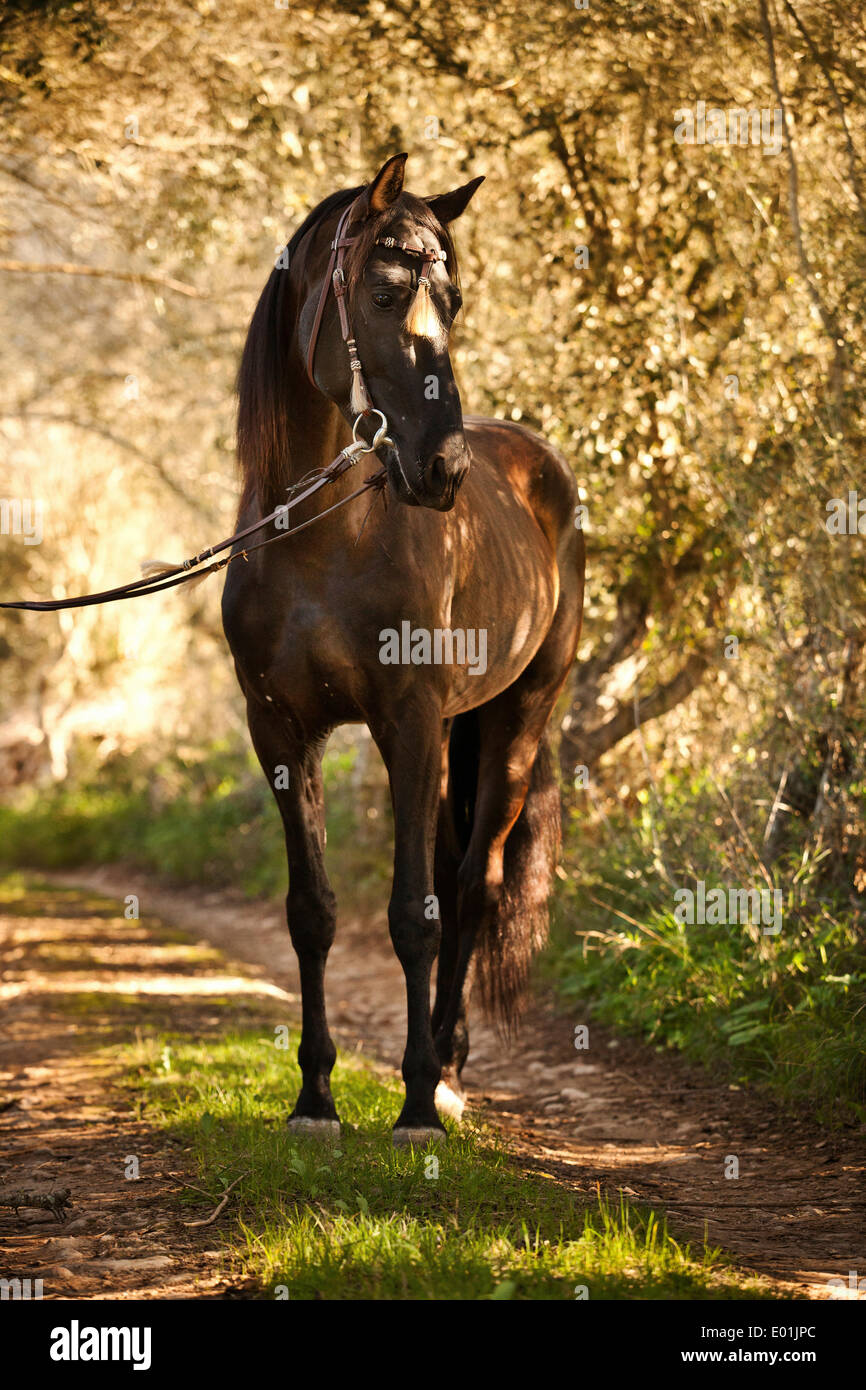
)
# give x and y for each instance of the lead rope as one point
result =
(162, 576)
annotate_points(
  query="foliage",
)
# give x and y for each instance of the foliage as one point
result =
(194, 818)
(787, 1010)
(702, 369)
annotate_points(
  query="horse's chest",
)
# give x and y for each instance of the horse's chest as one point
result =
(465, 617)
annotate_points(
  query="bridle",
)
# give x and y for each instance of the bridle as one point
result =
(335, 278)
(161, 576)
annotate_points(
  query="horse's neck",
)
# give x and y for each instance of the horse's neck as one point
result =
(319, 431)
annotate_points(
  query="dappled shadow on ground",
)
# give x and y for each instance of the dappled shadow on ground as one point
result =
(79, 981)
(619, 1115)
(78, 978)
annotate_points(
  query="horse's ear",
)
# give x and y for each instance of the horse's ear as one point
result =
(381, 191)
(449, 206)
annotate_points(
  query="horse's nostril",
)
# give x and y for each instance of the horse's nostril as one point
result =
(439, 473)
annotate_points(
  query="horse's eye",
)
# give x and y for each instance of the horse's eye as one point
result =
(382, 299)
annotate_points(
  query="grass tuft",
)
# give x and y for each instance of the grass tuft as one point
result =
(365, 1221)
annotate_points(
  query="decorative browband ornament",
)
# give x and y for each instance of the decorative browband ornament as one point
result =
(422, 320)
(412, 250)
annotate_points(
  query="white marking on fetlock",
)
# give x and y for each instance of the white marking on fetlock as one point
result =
(419, 1136)
(314, 1129)
(448, 1102)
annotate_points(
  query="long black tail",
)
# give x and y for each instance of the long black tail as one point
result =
(504, 950)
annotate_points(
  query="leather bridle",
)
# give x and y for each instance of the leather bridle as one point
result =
(162, 576)
(335, 278)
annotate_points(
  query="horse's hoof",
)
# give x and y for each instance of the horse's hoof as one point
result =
(448, 1102)
(417, 1136)
(306, 1127)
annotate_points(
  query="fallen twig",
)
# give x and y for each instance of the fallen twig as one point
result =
(221, 1206)
(191, 1185)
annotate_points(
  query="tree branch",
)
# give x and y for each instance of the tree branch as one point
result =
(53, 417)
(133, 277)
(626, 719)
(56, 1201)
(828, 77)
(828, 318)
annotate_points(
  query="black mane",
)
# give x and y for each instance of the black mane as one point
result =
(263, 399)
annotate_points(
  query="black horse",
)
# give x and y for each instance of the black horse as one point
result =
(446, 623)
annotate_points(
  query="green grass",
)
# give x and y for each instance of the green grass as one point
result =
(208, 817)
(360, 1220)
(363, 1221)
(787, 1011)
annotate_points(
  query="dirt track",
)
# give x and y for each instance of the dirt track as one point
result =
(618, 1115)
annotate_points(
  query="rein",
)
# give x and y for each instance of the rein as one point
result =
(189, 570)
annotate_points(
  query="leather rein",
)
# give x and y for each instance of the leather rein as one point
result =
(194, 568)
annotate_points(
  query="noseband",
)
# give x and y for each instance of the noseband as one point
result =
(335, 278)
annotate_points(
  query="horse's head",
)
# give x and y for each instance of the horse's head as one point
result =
(386, 345)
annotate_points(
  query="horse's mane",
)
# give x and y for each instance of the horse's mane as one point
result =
(264, 401)
(263, 384)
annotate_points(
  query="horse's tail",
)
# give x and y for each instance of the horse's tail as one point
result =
(518, 928)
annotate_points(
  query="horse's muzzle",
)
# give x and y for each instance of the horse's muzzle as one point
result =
(434, 486)
(443, 473)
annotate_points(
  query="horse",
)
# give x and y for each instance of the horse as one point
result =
(471, 550)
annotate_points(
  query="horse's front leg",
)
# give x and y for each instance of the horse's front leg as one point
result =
(412, 750)
(295, 774)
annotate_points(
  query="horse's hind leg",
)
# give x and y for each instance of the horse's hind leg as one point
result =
(294, 772)
(506, 743)
(504, 771)
(509, 732)
(449, 1095)
(452, 837)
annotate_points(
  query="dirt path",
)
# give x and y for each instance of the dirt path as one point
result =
(76, 978)
(618, 1115)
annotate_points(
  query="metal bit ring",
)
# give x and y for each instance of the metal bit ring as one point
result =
(379, 438)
